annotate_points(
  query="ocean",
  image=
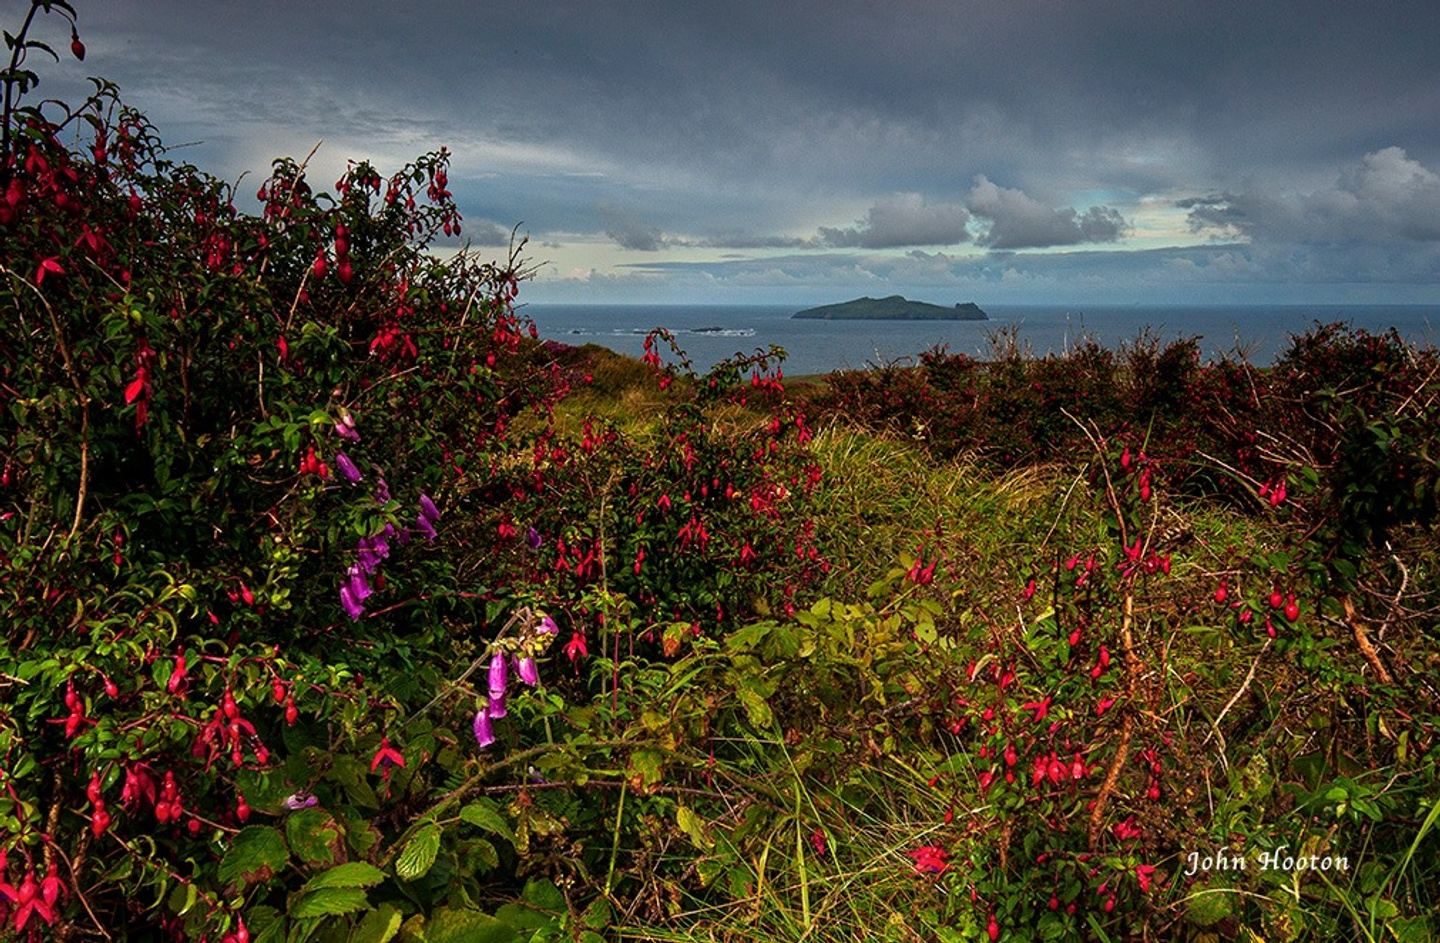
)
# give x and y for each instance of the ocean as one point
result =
(710, 333)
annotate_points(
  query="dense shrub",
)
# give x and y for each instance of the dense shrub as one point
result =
(271, 481)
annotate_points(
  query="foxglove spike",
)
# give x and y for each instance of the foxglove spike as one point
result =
(529, 672)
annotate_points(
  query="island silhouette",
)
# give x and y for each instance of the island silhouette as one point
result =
(893, 308)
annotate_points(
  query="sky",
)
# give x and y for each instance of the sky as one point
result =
(808, 151)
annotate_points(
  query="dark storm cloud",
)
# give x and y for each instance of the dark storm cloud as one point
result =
(760, 126)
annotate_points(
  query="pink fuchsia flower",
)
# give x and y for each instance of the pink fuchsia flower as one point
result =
(529, 672)
(347, 467)
(498, 681)
(484, 732)
(929, 859)
(1144, 873)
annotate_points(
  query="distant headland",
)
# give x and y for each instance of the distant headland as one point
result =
(893, 308)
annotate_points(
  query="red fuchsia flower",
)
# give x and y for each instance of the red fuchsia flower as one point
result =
(1105, 704)
(498, 680)
(1277, 494)
(177, 675)
(1102, 663)
(575, 648)
(50, 266)
(929, 859)
(817, 841)
(1040, 708)
(528, 670)
(1144, 873)
(1126, 830)
(1029, 591)
(484, 731)
(386, 757)
(347, 467)
(1222, 592)
(1292, 608)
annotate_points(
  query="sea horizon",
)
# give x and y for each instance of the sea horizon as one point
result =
(710, 332)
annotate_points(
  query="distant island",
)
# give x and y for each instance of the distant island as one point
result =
(893, 308)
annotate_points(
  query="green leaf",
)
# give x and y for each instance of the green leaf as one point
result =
(544, 895)
(255, 855)
(328, 901)
(315, 837)
(378, 926)
(485, 814)
(692, 826)
(756, 709)
(460, 925)
(418, 855)
(351, 874)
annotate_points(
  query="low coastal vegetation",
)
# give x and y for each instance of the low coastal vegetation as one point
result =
(336, 604)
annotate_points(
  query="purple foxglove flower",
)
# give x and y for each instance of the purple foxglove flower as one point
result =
(548, 627)
(499, 677)
(423, 525)
(347, 467)
(351, 605)
(402, 536)
(345, 427)
(382, 491)
(532, 537)
(484, 733)
(529, 671)
(428, 508)
(359, 587)
(496, 708)
(300, 800)
(368, 560)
